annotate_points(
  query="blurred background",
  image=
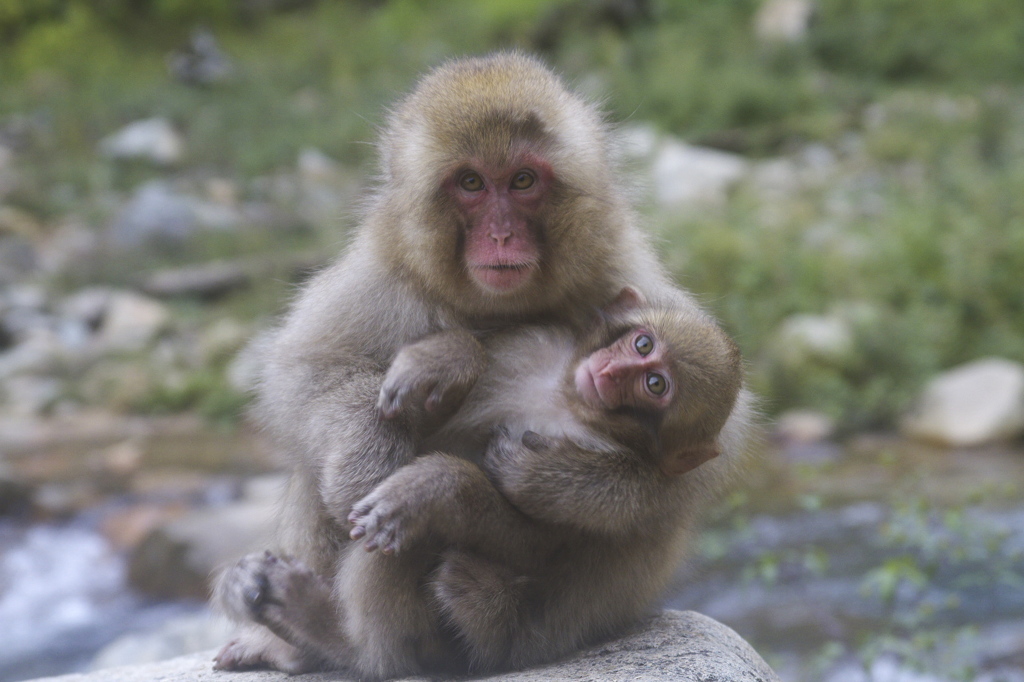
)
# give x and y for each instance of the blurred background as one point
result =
(840, 181)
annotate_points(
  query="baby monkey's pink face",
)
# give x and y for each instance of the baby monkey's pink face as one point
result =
(631, 372)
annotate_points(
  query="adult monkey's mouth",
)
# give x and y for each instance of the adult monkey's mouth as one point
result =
(503, 277)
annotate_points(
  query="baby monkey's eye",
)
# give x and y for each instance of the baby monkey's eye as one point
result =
(656, 384)
(522, 180)
(643, 344)
(471, 182)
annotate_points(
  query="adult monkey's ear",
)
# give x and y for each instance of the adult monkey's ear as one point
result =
(627, 300)
(687, 458)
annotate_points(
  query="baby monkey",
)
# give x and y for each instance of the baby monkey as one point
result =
(588, 439)
(573, 523)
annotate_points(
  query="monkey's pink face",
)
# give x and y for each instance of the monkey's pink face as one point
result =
(632, 372)
(501, 208)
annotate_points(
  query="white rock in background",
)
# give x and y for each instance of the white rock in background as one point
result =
(783, 21)
(153, 139)
(974, 404)
(804, 426)
(689, 175)
(813, 337)
(131, 321)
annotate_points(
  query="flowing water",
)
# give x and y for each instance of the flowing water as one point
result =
(877, 563)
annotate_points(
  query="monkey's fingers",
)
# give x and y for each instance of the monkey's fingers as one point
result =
(392, 400)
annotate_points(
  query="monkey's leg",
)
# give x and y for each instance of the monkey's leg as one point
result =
(254, 646)
(485, 602)
(389, 621)
(294, 603)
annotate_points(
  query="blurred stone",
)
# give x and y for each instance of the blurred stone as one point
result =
(315, 166)
(70, 244)
(222, 191)
(201, 63)
(14, 221)
(122, 459)
(88, 306)
(804, 426)
(974, 404)
(151, 139)
(176, 560)
(127, 527)
(29, 394)
(131, 321)
(61, 500)
(38, 352)
(116, 385)
(688, 175)
(208, 280)
(221, 339)
(15, 496)
(803, 338)
(18, 258)
(175, 637)
(155, 213)
(783, 21)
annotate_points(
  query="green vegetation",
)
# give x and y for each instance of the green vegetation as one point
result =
(920, 101)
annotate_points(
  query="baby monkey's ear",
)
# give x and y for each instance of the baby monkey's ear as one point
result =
(627, 300)
(679, 461)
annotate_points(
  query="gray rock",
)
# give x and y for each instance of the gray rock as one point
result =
(155, 213)
(974, 404)
(208, 280)
(806, 338)
(176, 637)
(682, 646)
(688, 175)
(131, 321)
(201, 63)
(18, 258)
(29, 394)
(151, 139)
(177, 559)
(783, 21)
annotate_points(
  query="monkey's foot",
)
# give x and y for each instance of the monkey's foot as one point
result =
(257, 647)
(281, 593)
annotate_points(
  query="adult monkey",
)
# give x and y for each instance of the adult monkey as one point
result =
(497, 205)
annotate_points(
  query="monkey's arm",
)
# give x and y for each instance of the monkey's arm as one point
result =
(557, 481)
(435, 372)
(451, 502)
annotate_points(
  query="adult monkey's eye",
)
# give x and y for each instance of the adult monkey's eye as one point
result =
(656, 384)
(643, 344)
(523, 180)
(471, 182)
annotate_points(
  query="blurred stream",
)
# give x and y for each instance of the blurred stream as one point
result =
(812, 581)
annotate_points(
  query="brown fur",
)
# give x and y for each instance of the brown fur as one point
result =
(400, 281)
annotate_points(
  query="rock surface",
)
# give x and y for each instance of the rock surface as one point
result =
(178, 559)
(974, 404)
(677, 645)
